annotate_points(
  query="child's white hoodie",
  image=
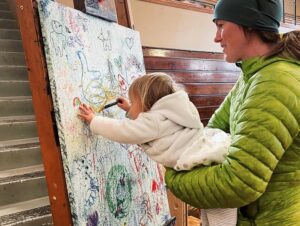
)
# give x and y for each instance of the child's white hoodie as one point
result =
(171, 133)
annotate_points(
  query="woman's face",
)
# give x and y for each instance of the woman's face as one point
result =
(232, 39)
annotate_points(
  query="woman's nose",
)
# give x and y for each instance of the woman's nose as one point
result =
(217, 37)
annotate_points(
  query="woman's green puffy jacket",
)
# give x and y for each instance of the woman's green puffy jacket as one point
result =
(261, 174)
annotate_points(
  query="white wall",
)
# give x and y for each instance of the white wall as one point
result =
(169, 27)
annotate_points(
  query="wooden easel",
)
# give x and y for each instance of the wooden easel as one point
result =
(43, 108)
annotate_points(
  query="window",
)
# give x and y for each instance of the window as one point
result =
(291, 12)
(206, 6)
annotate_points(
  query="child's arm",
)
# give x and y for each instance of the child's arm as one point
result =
(138, 131)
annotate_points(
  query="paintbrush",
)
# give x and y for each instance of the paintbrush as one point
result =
(109, 105)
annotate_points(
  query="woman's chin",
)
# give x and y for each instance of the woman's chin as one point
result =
(230, 59)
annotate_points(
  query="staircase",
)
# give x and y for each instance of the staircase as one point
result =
(23, 193)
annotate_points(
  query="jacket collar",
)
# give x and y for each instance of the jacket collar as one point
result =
(252, 65)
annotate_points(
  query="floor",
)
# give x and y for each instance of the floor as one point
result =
(193, 221)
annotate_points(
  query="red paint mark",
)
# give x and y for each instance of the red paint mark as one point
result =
(122, 83)
(160, 174)
(157, 208)
(94, 162)
(154, 186)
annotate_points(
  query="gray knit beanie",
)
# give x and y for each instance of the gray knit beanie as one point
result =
(262, 15)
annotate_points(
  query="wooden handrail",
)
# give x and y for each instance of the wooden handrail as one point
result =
(38, 78)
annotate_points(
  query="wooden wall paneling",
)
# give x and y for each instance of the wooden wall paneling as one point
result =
(207, 100)
(206, 88)
(38, 78)
(158, 52)
(188, 64)
(206, 112)
(202, 76)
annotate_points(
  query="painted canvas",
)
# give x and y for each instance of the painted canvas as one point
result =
(105, 9)
(93, 61)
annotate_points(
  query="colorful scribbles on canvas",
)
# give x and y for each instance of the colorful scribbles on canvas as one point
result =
(93, 61)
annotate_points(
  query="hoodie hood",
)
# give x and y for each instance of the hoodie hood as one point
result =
(178, 108)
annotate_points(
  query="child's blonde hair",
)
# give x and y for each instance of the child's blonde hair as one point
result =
(151, 87)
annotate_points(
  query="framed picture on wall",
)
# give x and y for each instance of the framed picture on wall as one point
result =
(104, 9)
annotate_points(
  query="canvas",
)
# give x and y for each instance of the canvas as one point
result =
(93, 61)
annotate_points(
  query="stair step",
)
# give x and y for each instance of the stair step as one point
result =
(35, 212)
(12, 34)
(17, 127)
(19, 143)
(14, 88)
(4, 14)
(13, 73)
(4, 6)
(44, 220)
(23, 184)
(8, 23)
(11, 45)
(12, 58)
(16, 106)
(21, 174)
(20, 156)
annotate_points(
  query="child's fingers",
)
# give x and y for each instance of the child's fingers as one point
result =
(85, 109)
(82, 110)
(82, 107)
(120, 100)
(81, 116)
(91, 109)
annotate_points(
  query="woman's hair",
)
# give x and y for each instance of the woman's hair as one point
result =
(286, 46)
(291, 45)
(151, 87)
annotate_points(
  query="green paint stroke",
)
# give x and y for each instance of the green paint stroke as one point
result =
(118, 191)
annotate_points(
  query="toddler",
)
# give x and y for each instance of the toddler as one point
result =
(163, 121)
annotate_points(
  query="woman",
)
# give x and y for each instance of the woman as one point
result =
(261, 174)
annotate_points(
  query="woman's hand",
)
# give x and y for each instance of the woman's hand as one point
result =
(123, 103)
(86, 113)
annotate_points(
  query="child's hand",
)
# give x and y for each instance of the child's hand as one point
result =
(86, 113)
(123, 103)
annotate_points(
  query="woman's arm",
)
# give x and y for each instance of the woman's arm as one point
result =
(264, 127)
(220, 119)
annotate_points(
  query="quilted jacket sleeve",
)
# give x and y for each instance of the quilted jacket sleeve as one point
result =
(220, 119)
(265, 125)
